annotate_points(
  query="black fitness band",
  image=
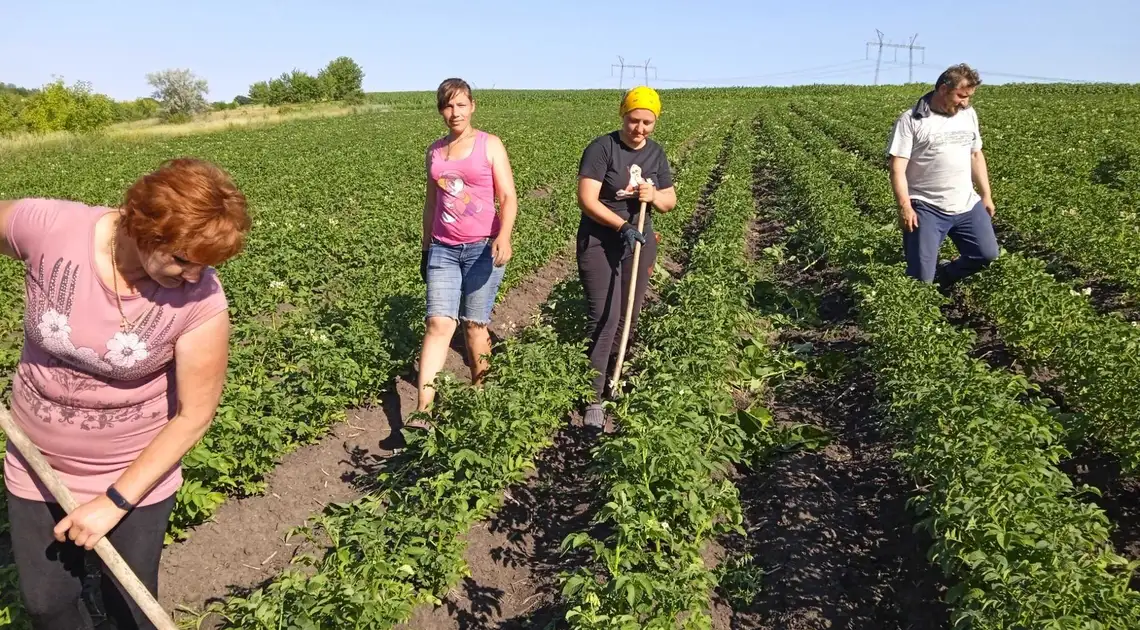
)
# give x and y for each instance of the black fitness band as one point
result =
(118, 499)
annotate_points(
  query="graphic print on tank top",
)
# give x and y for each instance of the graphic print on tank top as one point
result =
(129, 356)
(457, 202)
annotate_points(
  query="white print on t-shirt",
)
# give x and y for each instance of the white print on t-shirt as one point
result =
(635, 180)
(951, 138)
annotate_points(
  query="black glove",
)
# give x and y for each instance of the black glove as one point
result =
(631, 234)
(423, 265)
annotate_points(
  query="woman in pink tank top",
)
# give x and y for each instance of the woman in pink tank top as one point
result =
(466, 239)
(126, 336)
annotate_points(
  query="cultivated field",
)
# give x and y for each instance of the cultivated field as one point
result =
(808, 438)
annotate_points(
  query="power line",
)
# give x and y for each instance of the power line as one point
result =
(909, 47)
(910, 64)
(879, 59)
(1027, 77)
(620, 64)
(851, 67)
(846, 66)
(646, 70)
(623, 65)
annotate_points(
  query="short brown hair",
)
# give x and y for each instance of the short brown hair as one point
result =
(954, 75)
(448, 89)
(190, 208)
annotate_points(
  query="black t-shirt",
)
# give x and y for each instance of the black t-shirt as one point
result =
(609, 160)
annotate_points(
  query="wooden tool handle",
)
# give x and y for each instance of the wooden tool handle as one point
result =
(629, 302)
(111, 558)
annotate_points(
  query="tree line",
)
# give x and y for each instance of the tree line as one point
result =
(341, 80)
(178, 95)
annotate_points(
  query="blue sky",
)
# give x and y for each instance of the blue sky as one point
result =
(513, 44)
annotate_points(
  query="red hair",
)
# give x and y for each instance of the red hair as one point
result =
(189, 208)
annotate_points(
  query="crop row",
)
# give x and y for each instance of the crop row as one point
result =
(1094, 143)
(400, 545)
(1087, 225)
(1007, 524)
(700, 161)
(1095, 358)
(666, 492)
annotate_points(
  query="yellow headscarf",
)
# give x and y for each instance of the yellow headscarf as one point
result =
(641, 97)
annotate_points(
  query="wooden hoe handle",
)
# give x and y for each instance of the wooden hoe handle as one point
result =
(111, 558)
(629, 301)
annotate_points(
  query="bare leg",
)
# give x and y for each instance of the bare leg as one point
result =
(478, 347)
(437, 340)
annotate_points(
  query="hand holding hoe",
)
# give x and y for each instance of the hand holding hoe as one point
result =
(111, 558)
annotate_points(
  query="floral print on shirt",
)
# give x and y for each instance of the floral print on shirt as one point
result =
(128, 356)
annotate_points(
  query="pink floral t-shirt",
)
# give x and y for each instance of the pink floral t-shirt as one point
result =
(89, 395)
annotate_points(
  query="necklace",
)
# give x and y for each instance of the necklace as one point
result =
(124, 324)
(463, 136)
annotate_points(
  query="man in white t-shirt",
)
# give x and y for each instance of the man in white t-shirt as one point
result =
(936, 158)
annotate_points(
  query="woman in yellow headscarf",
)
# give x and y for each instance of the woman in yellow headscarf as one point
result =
(617, 172)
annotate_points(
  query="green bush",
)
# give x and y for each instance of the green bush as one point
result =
(138, 109)
(57, 107)
(11, 104)
(341, 79)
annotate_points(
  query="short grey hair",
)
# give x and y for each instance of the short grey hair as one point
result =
(954, 75)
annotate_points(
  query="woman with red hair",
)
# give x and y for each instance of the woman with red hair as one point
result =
(126, 336)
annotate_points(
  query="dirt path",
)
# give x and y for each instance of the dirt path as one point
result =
(244, 545)
(515, 558)
(830, 528)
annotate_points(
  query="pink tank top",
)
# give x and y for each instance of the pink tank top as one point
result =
(89, 395)
(465, 194)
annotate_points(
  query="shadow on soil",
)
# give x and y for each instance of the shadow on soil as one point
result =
(830, 528)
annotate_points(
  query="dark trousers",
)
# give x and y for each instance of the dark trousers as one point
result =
(972, 233)
(51, 572)
(605, 265)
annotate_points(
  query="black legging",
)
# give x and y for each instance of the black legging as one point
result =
(604, 266)
(51, 572)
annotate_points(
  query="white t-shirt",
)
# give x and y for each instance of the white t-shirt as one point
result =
(939, 149)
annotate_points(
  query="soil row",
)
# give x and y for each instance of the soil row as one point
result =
(829, 533)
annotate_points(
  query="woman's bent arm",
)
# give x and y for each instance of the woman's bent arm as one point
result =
(504, 179)
(588, 191)
(665, 199)
(200, 357)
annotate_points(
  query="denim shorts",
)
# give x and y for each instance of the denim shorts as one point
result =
(462, 281)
